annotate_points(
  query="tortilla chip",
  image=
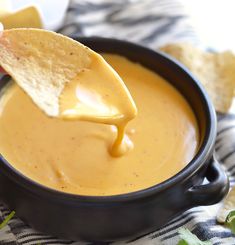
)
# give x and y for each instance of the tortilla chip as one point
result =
(27, 17)
(227, 206)
(42, 62)
(214, 70)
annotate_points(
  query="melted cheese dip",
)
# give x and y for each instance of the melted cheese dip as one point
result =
(74, 156)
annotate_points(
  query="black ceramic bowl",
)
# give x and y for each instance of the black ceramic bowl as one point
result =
(111, 218)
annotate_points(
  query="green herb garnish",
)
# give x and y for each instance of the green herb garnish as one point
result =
(230, 221)
(188, 238)
(7, 219)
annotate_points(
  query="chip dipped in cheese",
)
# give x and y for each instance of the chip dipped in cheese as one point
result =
(66, 79)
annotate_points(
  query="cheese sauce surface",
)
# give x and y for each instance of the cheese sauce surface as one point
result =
(74, 156)
(99, 95)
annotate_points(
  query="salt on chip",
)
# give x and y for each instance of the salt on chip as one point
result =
(42, 62)
(227, 206)
(214, 70)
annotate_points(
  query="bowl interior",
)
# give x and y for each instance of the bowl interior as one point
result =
(169, 69)
(180, 78)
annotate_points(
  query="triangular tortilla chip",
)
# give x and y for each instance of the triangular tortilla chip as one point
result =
(216, 71)
(43, 62)
(27, 17)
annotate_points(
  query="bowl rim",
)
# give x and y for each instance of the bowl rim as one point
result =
(196, 163)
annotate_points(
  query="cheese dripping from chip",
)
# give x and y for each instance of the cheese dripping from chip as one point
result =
(68, 80)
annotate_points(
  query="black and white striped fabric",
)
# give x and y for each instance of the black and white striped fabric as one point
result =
(152, 23)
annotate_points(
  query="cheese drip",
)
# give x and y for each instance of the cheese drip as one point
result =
(99, 95)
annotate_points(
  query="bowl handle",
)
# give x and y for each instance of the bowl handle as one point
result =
(215, 190)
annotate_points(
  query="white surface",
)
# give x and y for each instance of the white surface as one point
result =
(52, 11)
(214, 22)
(213, 19)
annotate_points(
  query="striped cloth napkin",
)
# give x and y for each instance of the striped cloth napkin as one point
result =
(152, 23)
